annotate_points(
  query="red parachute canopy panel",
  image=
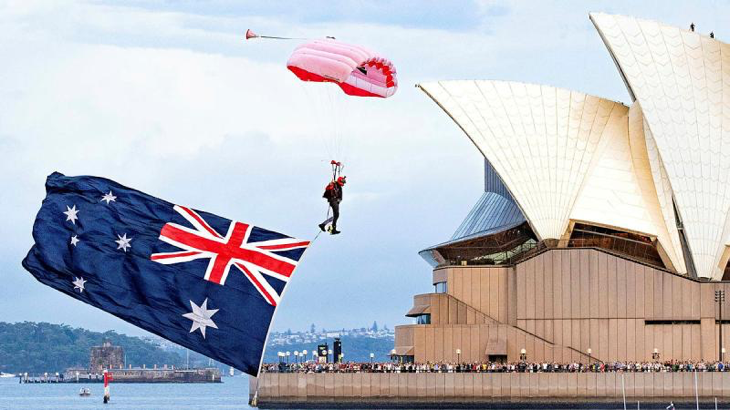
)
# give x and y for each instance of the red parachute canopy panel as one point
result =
(357, 70)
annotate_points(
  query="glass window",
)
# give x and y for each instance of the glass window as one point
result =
(424, 319)
(440, 287)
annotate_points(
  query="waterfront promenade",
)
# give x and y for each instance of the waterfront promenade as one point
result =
(490, 367)
(482, 389)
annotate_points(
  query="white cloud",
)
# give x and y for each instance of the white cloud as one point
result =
(179, 105)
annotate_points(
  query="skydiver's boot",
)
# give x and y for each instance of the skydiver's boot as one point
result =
(321, 226)
(334, 231)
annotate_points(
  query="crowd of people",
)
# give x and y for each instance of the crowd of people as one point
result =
(489, 367)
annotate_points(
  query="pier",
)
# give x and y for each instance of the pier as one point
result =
(40, 378)
(137, 375)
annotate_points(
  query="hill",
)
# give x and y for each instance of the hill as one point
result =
(45, 347)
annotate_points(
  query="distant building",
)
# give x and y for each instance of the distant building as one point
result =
(106, 356)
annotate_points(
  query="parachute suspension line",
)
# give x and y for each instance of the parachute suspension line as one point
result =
(332, 120)
(279, 38)
(341, 124)
(334, 102)
(250, 35)
(315, 109)
(324, 111)
(328, 111)
(346, 127)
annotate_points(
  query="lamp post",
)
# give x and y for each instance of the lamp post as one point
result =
(372, 355)
(329, 353)
(287, 357)
(458, 355)
(392, 355)
(304, 355)
(655, 355)
(720, 298)
(523, 354)
(589, 351)
(296, 356)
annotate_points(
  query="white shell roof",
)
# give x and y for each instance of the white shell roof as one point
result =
(540, 140)
(682, 81)
(563, 155)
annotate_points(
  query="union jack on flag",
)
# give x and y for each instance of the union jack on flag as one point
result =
(254, 255)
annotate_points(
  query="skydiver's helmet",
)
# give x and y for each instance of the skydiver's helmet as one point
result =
(341, 181)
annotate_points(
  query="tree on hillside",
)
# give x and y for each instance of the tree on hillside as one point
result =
(45, 347)
(374, 328)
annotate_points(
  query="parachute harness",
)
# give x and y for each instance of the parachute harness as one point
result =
(337, 168)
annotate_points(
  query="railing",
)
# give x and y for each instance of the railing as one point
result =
(489, 367)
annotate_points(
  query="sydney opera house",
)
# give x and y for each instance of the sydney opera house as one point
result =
(603, 232)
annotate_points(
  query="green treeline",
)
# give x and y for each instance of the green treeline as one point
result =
(45, 347)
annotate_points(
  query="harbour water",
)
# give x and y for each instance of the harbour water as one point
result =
(231, 394)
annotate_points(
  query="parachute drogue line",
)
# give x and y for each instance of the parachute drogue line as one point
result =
(250, 34)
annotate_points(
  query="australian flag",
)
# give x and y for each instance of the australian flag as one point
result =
(202, 281)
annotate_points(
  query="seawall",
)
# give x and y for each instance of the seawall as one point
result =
(464, 389)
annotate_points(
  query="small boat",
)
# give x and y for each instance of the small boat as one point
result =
(6, 375)
(85, 392)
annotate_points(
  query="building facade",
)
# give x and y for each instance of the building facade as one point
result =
(603, 231)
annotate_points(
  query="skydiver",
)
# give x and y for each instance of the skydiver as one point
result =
(333, 195)
(692, 27)
(712, 34)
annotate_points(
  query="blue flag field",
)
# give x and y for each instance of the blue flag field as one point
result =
(199, 280)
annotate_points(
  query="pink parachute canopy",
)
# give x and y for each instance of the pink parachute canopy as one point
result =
(357, 70)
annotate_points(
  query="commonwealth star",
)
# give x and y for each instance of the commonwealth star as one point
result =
(201, 317)
(71, 214)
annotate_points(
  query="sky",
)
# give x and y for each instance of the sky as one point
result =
(169, 98)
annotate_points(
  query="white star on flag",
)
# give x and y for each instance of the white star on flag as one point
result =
(71, 214)
(108, 198)
(123, 242)
(74, 240)
(79, 284)
(201, 317)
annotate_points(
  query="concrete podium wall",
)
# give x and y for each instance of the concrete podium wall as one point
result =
(475, 386)
(562, 302)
